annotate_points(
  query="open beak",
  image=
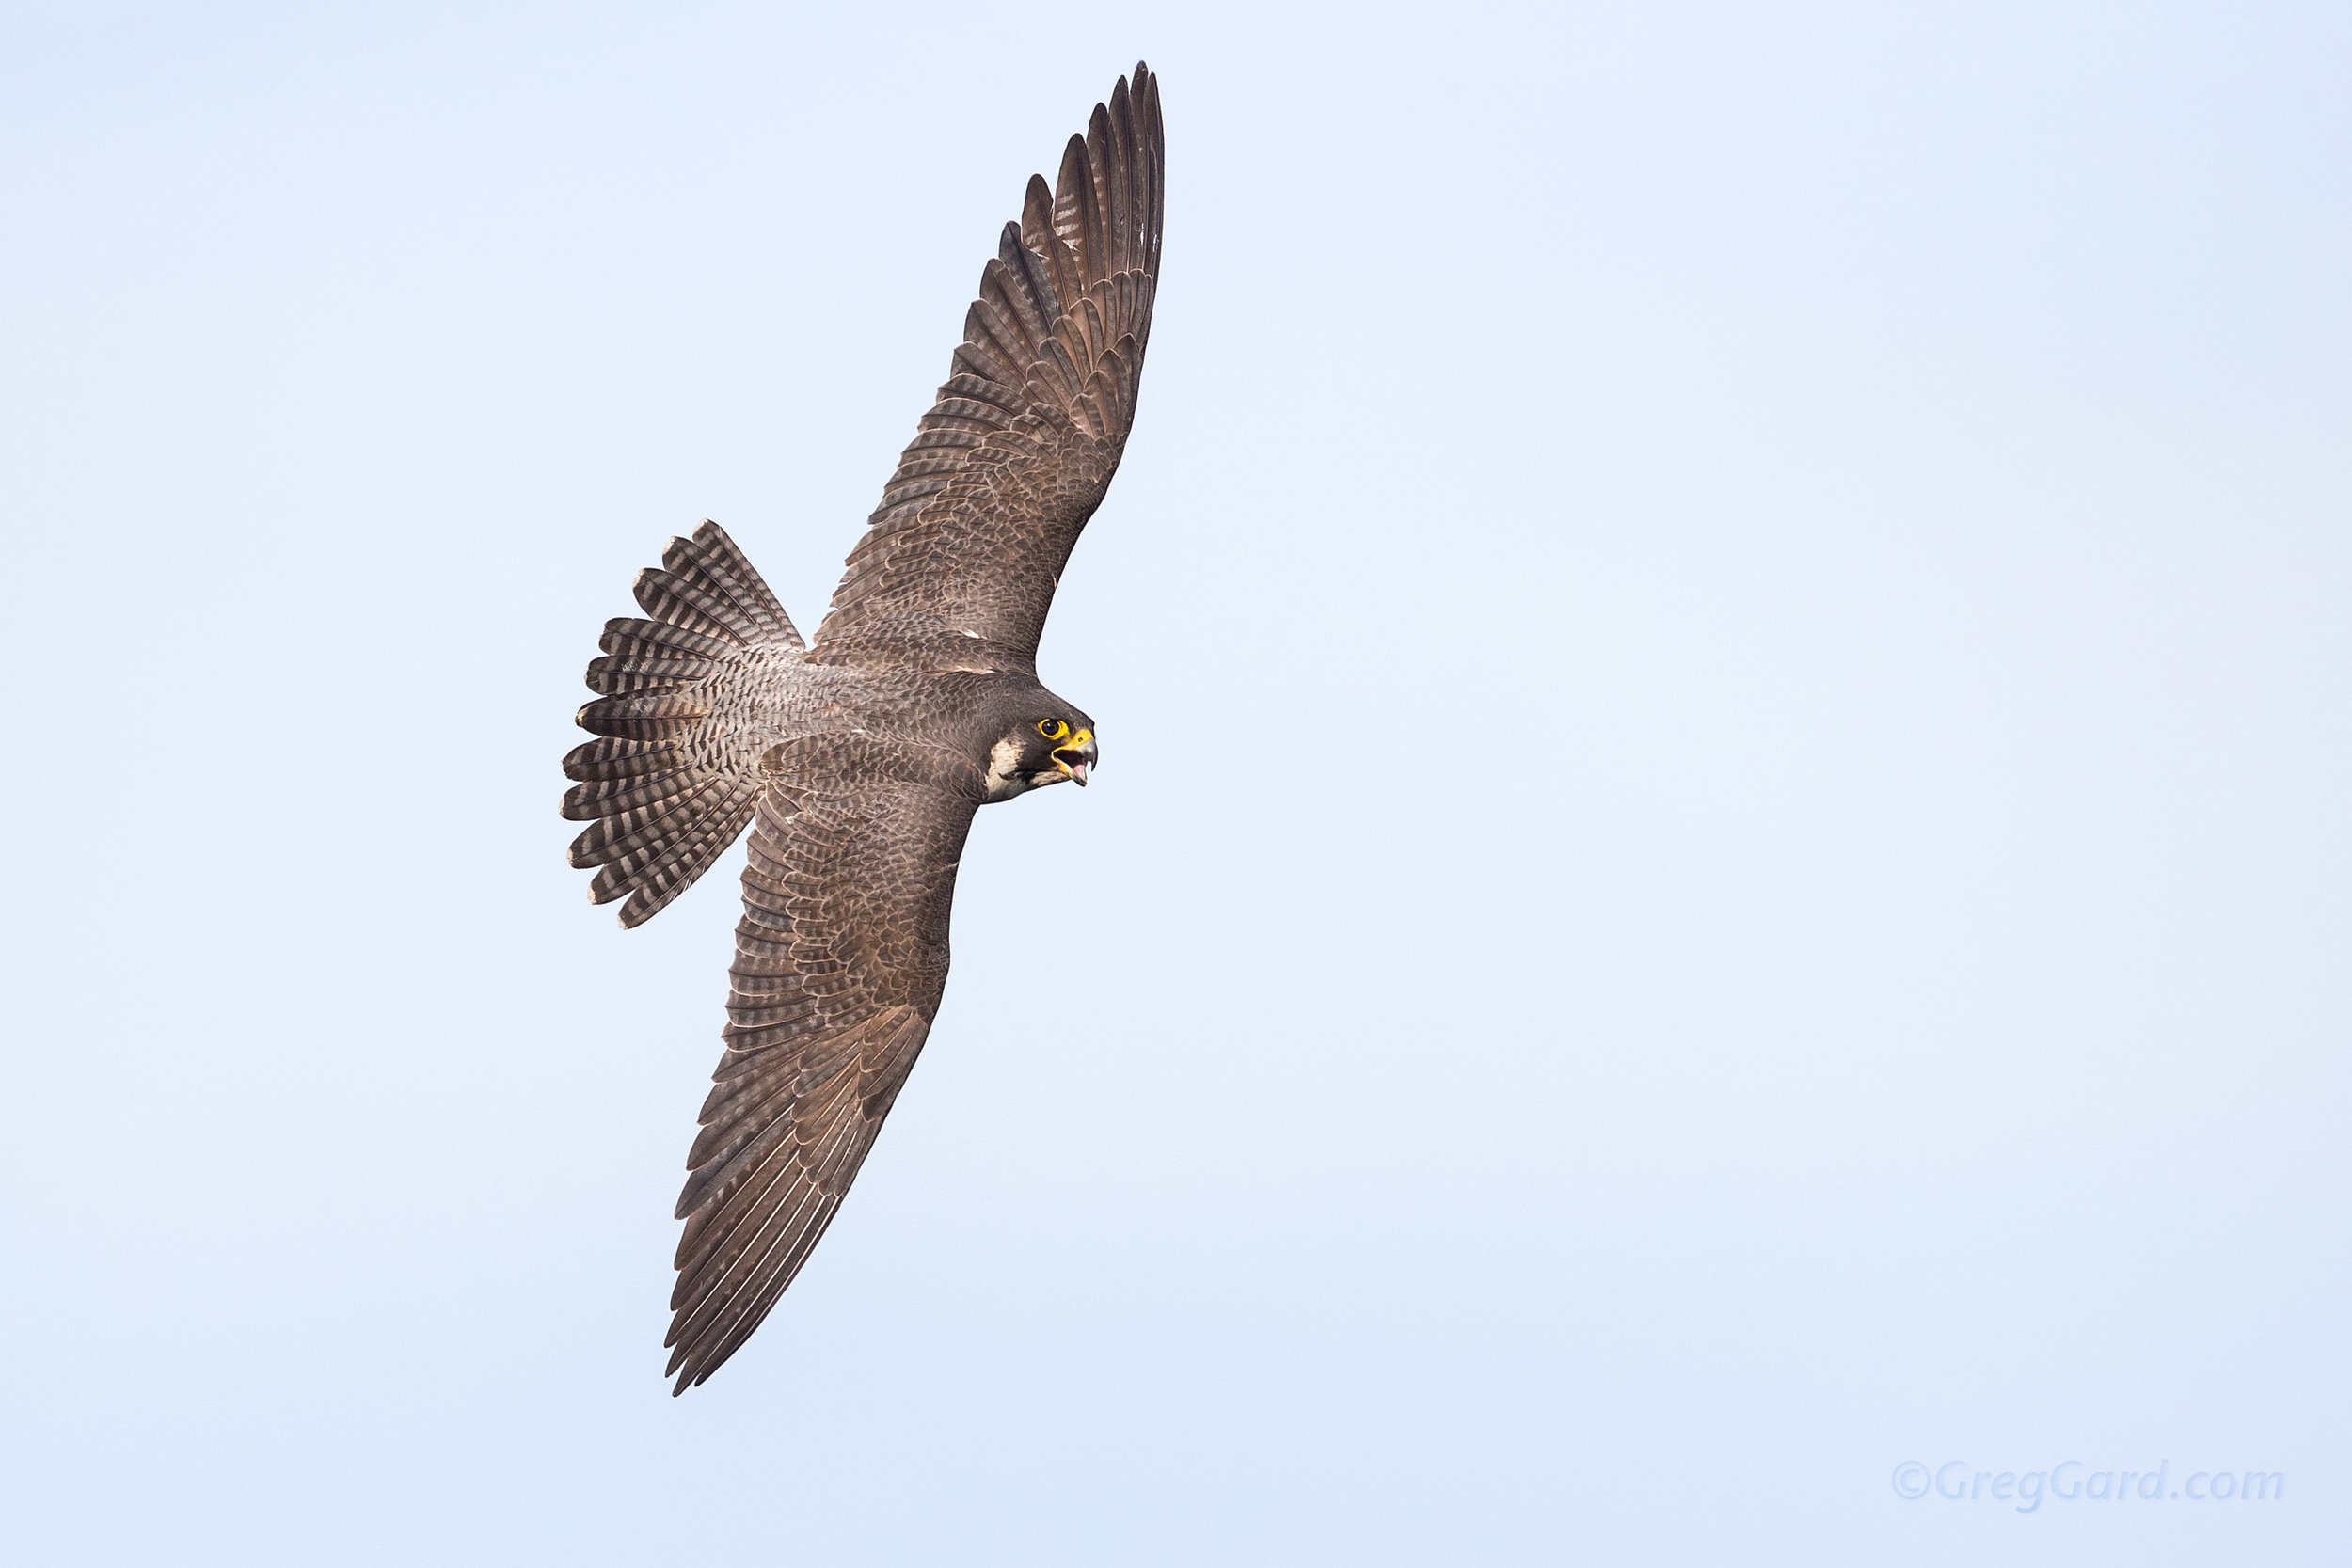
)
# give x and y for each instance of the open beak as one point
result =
(1076, 758)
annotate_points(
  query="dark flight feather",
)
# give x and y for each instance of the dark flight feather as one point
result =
(841, 957)
(973, 537)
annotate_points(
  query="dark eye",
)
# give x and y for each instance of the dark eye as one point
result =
(1052, 729)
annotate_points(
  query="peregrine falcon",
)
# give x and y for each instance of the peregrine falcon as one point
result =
(857, 759)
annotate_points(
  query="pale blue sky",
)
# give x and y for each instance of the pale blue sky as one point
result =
(1720, 861)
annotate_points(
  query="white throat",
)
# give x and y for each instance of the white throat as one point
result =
(1003, 783)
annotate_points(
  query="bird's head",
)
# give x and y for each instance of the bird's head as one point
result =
(1048, 743)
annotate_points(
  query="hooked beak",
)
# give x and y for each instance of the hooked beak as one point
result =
(1076, 758)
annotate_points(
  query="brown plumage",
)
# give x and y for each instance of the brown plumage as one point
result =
(859, 760)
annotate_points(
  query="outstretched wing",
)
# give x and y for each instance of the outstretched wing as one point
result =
(839, 963)
(1014, 456)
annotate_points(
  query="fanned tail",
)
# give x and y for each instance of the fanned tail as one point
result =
(660, 807)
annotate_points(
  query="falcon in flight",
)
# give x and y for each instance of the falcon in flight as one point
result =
(858, 759)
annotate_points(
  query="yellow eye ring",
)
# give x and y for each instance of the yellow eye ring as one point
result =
(1052, 729)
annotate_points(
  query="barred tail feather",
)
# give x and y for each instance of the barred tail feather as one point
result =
(660, 811)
